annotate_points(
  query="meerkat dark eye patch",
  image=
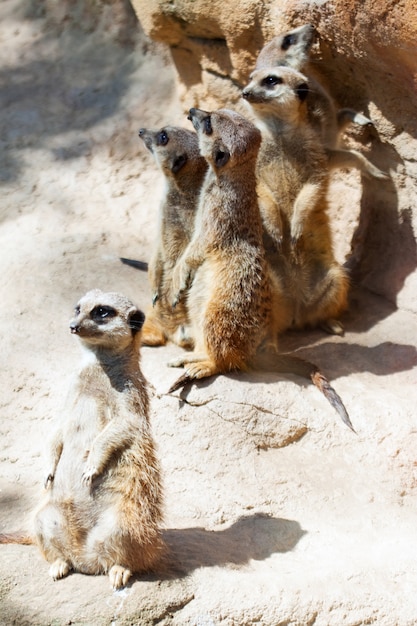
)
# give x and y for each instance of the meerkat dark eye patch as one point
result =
(221, 158)
(101, 314)
(136, 320)
(288, 41)
(77, 309)
(207, 126)
(271, 81)
(178, 163)
(162, 138)
(302, 91)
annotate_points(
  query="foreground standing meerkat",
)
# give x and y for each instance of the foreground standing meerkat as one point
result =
(293, 178)
(236, 307)
(292, 49)
(177, 154)
(103, 502)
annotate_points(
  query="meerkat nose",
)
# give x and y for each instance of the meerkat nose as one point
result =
(74, 328)
(245, 94)
(141, 132)
(190, 114)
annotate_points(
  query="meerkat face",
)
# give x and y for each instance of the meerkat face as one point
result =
(172, 147)
(225, 137)
(291, 49)
(106, 320)
(277, 91)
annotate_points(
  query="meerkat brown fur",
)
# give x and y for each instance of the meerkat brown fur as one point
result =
(102, 508)
(292, 49)
(235, 303)
(292, 185)
(177, 154)
(229, 299)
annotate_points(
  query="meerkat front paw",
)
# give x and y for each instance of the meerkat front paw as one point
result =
(89, 473)
(119, 576)
(182, 278)
(333, 327)
(296, 247)
(49, 479)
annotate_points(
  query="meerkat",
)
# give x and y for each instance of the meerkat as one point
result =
(177, 154)
(292, 49)
(293, 178)
(103, 502)
(236, 306)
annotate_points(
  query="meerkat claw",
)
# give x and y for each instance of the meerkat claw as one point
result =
(181, 382)
(177, 299)
(48, 481)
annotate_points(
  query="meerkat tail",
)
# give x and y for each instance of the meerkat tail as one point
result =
(287, 363)
(332, 396)
(139, 265)
(21, 538)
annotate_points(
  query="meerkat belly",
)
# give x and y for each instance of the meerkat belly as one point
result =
(230, 301)
(87, 420)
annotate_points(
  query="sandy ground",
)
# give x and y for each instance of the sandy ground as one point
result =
(275, 512)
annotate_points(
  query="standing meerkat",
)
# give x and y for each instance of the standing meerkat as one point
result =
(102, 509)
(292, 49)
(177, 154)
(236, 306)
(293, 178)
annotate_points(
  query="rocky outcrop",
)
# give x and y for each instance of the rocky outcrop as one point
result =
(367, 57)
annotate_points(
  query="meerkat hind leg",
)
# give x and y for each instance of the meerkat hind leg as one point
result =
(119, 576)
(332, 326)
(59, 569)
(199, 366)
(183, 359)
(152, 333)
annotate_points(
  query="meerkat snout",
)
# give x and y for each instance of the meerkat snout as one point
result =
(201, 120)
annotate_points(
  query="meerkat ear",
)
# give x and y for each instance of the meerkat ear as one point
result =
(302, 91)
(135, 320)
(178, 163)
(221, 157)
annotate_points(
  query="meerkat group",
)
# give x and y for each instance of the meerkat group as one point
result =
(259, 259)
(243, 253)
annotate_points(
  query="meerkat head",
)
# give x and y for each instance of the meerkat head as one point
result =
(291, 48)
(106, 320)
(277, 91)
(226, 138)
(173, 148)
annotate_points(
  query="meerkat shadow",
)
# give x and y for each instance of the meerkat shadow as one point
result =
(383, 247)
(253, 537)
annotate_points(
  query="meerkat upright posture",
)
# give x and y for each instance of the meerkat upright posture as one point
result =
(177, 154)
(224, 265)
(293, 178)
(102, 508)
(236, 306)
(292, 49)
